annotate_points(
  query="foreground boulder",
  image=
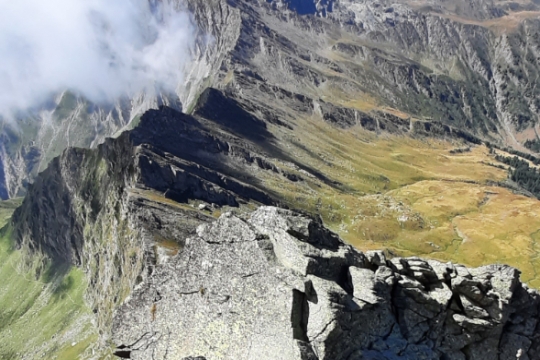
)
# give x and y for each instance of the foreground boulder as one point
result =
(278, 285)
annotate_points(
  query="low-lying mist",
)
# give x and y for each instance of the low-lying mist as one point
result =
(99, 49)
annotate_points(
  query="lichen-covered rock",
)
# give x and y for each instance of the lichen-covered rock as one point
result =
(277, 284)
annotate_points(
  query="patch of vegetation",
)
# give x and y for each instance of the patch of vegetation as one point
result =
(412, 197)
(136, 121)
(521, 154)
(42, 317)
(66, 107)
(522, 174)
(533, 145)
(460, 150)
(6, 209)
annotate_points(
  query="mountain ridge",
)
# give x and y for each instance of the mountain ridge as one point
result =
(121, 214)
(371, 117)
(397, 57)
(245, 278)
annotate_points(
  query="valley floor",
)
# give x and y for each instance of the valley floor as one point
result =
(416, 197)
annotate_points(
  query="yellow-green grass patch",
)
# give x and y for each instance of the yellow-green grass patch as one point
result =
(41, 317)
(412, 197)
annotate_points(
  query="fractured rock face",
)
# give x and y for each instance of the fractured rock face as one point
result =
(117, 210)
(277, 284)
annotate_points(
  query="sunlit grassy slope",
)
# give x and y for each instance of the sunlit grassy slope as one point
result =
(414, 197)
(43, 318)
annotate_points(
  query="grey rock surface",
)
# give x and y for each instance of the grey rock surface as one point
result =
(277, 284)
(120, 209)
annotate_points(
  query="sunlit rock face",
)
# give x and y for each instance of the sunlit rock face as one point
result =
(277, 281)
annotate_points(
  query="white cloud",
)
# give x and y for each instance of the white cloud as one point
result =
(102, 49)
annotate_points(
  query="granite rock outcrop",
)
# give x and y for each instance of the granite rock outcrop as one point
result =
(278, 284)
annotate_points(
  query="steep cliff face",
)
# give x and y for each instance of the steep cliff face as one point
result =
(70, 120)
(277, 282)
(490, 57)
(474, 72)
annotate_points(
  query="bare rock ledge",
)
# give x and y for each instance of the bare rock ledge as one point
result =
(279, 285)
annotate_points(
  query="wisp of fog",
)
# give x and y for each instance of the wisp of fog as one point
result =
(100, 49)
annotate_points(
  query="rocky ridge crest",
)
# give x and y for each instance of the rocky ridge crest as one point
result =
(161, 285)
(115, 209)
(278, 282)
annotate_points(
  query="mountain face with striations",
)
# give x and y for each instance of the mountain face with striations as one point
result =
(211, 226)
(466, 64)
